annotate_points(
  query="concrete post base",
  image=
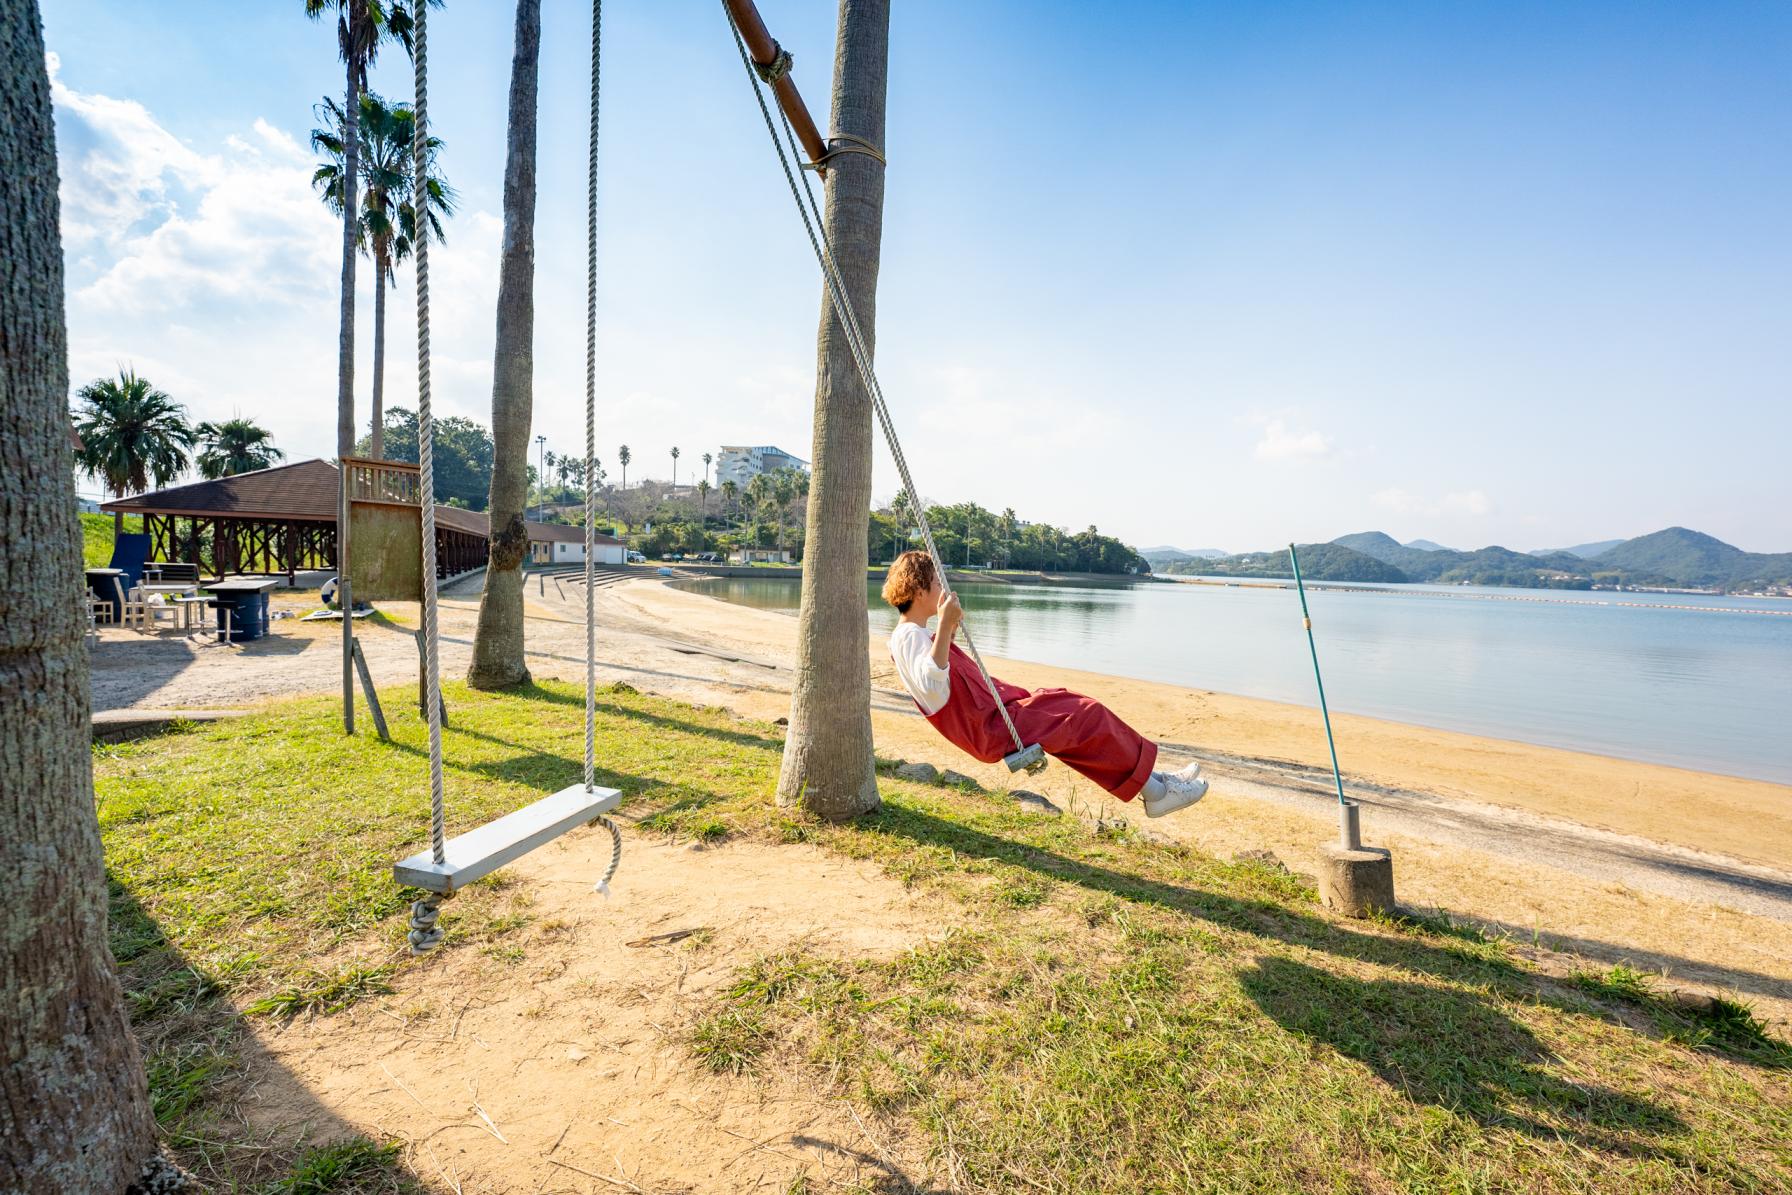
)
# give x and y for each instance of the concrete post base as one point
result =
(1356, 882)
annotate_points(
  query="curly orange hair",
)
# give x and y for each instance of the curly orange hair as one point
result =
(911, 576)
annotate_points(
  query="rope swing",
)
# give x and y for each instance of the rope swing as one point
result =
(1029, 757)
(452, 863)
(603, 885)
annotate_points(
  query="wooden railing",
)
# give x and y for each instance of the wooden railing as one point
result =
(394, 482)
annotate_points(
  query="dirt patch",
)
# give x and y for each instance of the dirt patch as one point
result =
(556, 1059)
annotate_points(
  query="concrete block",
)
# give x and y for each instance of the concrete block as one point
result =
(1356, 882)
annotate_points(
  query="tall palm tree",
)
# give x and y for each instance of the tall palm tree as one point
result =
(235, 446)
(781, 494)
(77, 1111)
(703, 497)
(759, 495)
(362, 27)
(498, 659)
(730, 496)
(707, 457)
(130, 434)
(623, 458)
(828, 767)
(902, 516)
(389, 223)
(675, 468)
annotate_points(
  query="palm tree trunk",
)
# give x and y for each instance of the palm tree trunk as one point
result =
(377, 437)
(74, 1106)
(498, 644)
(828, 766)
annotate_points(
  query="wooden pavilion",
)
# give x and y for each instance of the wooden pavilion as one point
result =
(278, 520)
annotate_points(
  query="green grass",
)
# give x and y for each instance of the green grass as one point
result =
(325, 993)
(1110, 1014)
(355, 1165)
(97, 537)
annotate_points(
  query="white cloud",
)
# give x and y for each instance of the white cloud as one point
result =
(215, 271)
(1282, 441)
(1397, 500)
(152, 224)
(1468, 502)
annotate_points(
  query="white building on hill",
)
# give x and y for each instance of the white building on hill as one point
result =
(741, 465)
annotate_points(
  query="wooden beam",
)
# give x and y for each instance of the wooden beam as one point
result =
(763, 49)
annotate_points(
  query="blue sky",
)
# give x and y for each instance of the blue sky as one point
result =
(1218, 275)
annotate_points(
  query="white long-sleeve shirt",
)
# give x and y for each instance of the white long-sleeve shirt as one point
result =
(911, 647)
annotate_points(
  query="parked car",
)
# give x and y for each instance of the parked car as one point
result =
(635, 557)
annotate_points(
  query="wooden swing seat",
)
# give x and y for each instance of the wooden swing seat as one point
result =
(481, 851)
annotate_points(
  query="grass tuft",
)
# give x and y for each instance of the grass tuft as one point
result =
(1723, 1025)
(358, 1165)
(729, 1040)
(321, 994)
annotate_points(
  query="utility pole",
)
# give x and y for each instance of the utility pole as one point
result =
(541, 479)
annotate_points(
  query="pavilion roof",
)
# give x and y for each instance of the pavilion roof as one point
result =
(302, 492)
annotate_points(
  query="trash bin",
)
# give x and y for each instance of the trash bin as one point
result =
(242, 608)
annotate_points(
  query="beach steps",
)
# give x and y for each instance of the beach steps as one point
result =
(560, 581)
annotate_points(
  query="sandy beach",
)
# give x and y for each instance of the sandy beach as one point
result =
(1677, 872)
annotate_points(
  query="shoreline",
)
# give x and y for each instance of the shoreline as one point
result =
(1491, 734)
(1734, 816)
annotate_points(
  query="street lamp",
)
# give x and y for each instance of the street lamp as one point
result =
(541, 478)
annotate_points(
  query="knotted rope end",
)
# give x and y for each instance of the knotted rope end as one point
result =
(777, 68)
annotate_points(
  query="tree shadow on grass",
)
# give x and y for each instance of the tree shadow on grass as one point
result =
(537, 769)
(1270, 919)
(234, 1116)
(1454, 1050)
(535, 692)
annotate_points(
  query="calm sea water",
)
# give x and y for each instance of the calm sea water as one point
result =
(1687, 680)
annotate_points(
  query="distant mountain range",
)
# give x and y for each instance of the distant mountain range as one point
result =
(1584, 551)
(1674, 558)
(1165, 554)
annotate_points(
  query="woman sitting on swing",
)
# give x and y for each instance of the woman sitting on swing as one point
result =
(1076, 729)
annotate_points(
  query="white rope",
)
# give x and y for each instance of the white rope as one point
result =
(432, 663)
(603, 885)
(816, 227)
(425, 934)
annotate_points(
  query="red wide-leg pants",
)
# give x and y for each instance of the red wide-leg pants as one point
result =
(1078, 730)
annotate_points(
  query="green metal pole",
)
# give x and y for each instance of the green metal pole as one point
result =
(1307, 621)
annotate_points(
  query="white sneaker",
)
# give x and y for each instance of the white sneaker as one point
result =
(1181, 789)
